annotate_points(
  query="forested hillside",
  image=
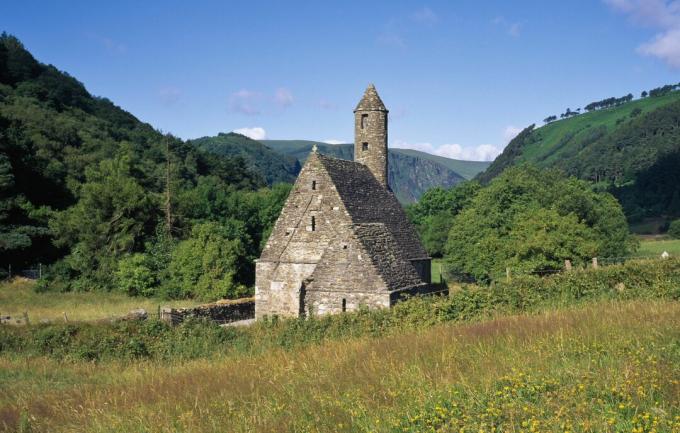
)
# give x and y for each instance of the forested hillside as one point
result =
(411, 172)
(631, 148)
(113, 202)
(274, 166)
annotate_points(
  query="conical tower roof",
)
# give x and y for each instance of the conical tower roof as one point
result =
(371, 101)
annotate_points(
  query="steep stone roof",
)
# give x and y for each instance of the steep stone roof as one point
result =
(371, 101)
(386, 256)
(367, 201)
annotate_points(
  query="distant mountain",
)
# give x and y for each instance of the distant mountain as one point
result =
(411, 172)
(631, 149)
(274, 166)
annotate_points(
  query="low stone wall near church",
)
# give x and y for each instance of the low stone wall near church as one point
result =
(222, 312)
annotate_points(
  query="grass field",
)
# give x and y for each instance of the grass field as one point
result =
(17, 297)
(604, 367)
(657, 247)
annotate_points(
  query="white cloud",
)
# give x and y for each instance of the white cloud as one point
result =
(245, 102)
(510, 132)
(333, 141)
(511, 28)
(283, 97)
(666, 46)
(425, 16)
(663, 15)
(483, 152)
(256, 133)
(169, 95)
(113, 46)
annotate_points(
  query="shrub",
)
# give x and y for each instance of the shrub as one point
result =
(674, 229)
(205, 265)
(197, 338)
(134, 276)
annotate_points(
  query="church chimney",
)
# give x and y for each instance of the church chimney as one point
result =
(370, 134)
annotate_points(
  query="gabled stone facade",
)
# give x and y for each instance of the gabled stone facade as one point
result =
(342, 239)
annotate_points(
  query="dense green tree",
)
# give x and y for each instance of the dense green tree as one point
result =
(674, 229)
(533, 220)
(433, 213)
(205, 266)
(113, 215)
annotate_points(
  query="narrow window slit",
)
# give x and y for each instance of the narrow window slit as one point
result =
(313, 223)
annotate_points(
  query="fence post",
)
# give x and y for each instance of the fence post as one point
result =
(567, 265)
(65, 317)
(40, 270)
(26, 317)
(10, 271)
(508, 273)
(594, 262)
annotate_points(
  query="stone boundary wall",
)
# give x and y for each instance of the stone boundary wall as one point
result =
(222, 312)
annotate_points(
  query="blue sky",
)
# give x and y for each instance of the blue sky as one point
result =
(459, 77)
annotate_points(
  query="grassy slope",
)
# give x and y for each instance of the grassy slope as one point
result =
(17, 297)
(604, 367)
(548, 150)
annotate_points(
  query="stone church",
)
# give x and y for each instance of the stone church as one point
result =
(342, 240)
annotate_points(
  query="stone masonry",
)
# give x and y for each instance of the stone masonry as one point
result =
(342, 240)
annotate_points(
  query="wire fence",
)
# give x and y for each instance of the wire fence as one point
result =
(33, 273)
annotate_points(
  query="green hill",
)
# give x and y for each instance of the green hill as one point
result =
(86, 185)
(632, 149)
(411, 172)
(274, 166)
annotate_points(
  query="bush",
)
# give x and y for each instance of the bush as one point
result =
(205, 265)
(674, 229)
(197, 338)
(135, 277)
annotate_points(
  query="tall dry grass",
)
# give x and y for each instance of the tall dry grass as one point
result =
(604, 367)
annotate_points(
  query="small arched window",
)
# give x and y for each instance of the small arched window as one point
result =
(364, 146)
(364, 121)
(313, 184)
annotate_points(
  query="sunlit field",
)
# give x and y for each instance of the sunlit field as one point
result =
(605, 367)
(18, 297)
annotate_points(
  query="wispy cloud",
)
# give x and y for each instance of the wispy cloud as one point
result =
(256, 133)
(327, 105)
(512, 28)
(425, 16)
(510, 132)
(393, 33)
(245, 102)
(334, 141)
(169, 95)
(482, 152)
(662, 15)
(283, 97)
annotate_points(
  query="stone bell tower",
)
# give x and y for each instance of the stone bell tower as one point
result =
(370, 134)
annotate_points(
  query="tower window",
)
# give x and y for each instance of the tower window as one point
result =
(364, 146)
(344, 305)
(313, 223)
(313, 184)
(364, 120)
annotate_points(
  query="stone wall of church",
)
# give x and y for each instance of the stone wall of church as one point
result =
(424, 269)
(344, 280)
(312, 218)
